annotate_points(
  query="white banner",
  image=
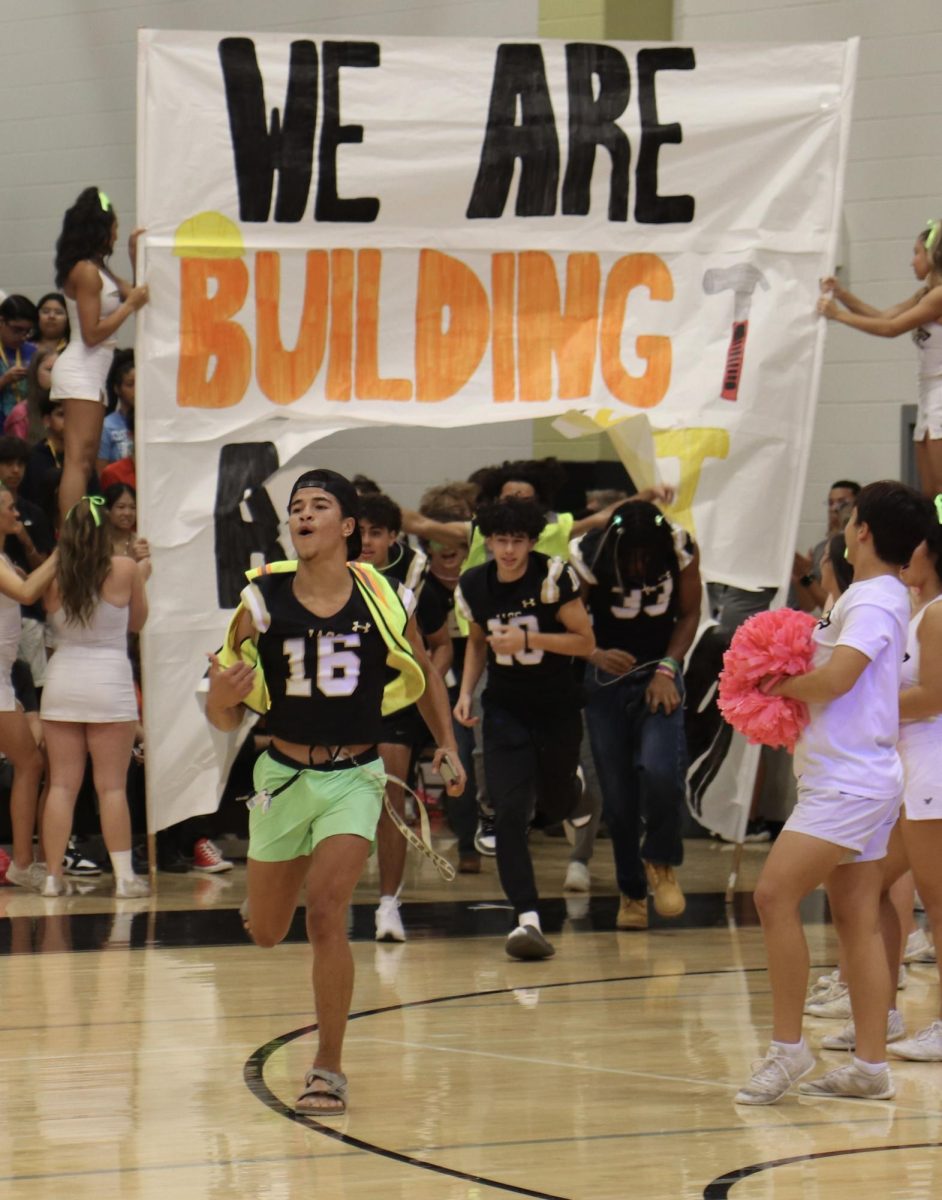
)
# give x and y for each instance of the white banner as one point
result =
(440, 232)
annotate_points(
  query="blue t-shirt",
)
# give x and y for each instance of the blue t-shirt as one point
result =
(117, 437)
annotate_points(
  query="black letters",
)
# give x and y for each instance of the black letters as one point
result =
(592, 122)
(329, 206)
(288, 147)
(650, 208)
(519, 73)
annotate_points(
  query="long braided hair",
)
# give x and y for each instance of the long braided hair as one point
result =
(636, 549)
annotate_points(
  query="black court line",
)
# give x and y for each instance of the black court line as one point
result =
(720, 1188)
(168, 929)
(253, 1073)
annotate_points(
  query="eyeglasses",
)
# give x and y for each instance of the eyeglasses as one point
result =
(838, 505)
(20, 331)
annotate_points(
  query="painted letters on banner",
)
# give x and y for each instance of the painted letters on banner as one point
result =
(348, 231)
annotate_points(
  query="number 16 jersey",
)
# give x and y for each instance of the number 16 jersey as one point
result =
(325, 675)
(528, 680)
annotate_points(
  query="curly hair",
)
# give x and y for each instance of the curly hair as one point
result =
(84, 562)
(380, 510)
(449, 501)
(546, 476)
(512, 517)
(86, 232)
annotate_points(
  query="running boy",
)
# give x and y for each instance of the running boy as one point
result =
(850, 782)
(403, 731)
(527, 622)
(318, 639)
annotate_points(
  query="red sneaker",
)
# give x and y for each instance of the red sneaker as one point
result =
(5, 861)
(207, 858)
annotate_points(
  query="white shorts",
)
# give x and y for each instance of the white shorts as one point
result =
(922, 791)
(80, 371)
(861, 824)
(928, 410)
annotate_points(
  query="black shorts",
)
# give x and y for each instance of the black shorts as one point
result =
(404, 728)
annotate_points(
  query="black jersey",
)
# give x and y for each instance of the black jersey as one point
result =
(446, 598)
(406, 566)
(628, 615)
(527, 680)
(325, 675)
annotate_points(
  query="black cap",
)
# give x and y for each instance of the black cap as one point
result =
(343, 492)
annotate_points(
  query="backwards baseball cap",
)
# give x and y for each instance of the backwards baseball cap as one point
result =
(343, 492)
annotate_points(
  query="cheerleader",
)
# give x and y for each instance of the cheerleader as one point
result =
(98, 304)
(920, 315)
(16, 740)
(89, 705)
(918, 839)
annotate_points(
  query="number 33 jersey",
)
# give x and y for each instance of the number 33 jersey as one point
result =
(527, 680)
(325, 675)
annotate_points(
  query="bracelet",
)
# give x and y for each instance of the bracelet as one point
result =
(667, 672)
(672, 665)
(526, 641)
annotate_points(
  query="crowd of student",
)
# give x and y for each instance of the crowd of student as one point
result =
(556, 615)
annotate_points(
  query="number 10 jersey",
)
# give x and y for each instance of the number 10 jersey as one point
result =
(528, 680)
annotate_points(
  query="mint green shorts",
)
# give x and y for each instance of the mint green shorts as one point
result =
(318, 805)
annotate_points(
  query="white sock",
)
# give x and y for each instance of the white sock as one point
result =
(869, 1068)
(790, 1047)
(530, 918)
(121, 864)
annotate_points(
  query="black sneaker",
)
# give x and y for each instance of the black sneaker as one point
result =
(485, 839)
(173, 862)
(75, 863)
(527, 942)
(758, 831)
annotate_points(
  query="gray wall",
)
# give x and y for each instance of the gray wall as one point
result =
(894, 185)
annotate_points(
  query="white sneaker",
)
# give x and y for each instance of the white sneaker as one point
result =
(919, 948)
(824, 983)
(388, 921)
(847, 1038)
(53, 887)
(837, 1008)
(852, 1082)
(131, 889)
(577, 878)
(32, 877)
(924, 1046)
(773, 1075)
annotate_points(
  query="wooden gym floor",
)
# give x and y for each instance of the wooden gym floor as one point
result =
(149, 1051)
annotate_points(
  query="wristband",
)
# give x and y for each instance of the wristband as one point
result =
(671, 664)
(667, 672)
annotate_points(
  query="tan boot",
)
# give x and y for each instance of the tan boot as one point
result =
(632, 914)
(668, 898)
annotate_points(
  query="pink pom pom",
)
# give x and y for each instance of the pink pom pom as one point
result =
(770, 643)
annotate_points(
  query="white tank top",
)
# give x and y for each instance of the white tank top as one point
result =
(107, 630)
(910, 674)
(928, 339)
(10, 626)
(110, 299)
